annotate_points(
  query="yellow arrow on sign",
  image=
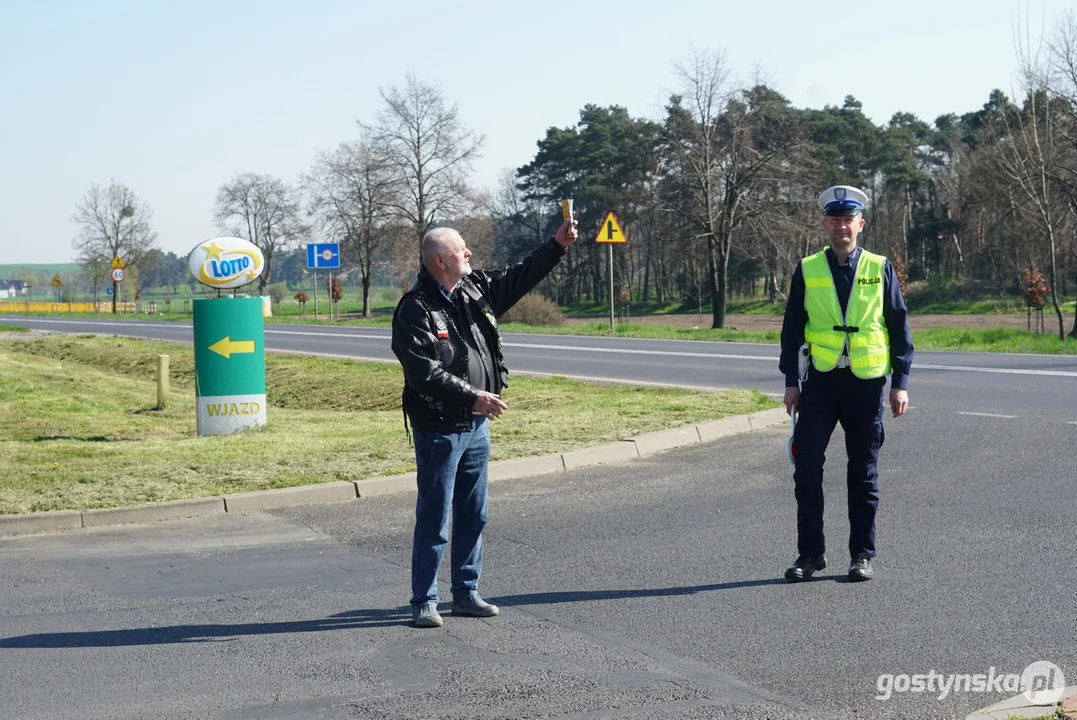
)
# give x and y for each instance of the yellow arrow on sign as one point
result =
(227, 346)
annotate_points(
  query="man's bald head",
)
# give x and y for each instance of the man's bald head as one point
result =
(438, 241)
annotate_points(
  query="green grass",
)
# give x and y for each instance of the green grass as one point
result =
(968, 307)
(655, 332)
(919, 304)
(12, 328)
(652, 307)
(78, 428)
(1000, 340)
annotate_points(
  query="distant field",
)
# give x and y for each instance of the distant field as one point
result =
(9, 271)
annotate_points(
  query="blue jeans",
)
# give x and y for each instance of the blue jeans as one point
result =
(451, 474)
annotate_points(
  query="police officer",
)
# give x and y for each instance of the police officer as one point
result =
(846, 311)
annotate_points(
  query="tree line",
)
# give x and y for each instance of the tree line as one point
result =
(717, 196)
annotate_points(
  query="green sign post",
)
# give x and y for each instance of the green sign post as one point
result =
(229, 364)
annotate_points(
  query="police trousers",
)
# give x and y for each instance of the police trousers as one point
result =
(826, 399)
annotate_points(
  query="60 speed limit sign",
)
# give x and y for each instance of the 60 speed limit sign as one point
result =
(118, 274)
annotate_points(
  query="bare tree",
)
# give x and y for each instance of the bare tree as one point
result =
(522, 219)
(350, 192)
(1028, 158)
(95, 268)
(721, 140)
(264, 210)
(429, 153)
(112, 222)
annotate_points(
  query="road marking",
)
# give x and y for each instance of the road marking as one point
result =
(1003, 371)
(327, 334)
(990, 415)
(771, 358)
(621, 351)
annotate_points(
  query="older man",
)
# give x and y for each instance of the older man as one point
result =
(446, 336)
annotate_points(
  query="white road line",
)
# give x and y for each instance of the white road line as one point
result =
(771, 358)
(990, 415)
(616, 351)
(1003, 371)
(347, 336)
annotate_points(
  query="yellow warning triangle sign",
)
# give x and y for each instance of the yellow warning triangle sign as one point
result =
(117, 262)
(610, 232)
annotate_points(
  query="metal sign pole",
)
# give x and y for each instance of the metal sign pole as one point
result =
(610, 246)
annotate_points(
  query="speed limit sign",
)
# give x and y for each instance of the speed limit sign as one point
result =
(118, 274)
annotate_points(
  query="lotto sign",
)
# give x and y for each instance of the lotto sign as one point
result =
(226, 262)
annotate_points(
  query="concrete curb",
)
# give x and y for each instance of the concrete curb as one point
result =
(525, 467)
(601, 454)
(342, 491)
(716, 429)
(287, 497)
(768, 418)
(385, 485)
(33, 523)
(1019, 706)
(174, 510)
(662, 440)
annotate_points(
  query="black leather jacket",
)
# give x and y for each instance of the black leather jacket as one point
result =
(432, 351)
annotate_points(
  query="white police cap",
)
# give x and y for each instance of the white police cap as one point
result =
(842, 200)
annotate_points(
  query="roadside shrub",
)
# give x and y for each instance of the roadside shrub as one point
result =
(535, 309)
(277, 291)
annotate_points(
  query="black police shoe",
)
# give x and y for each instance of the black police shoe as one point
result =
(804, 566)
(860, 570)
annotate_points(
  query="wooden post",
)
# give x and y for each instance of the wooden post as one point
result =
(162, 381)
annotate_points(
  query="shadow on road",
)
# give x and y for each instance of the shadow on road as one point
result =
(354, 619)
(572, 596)
(351, 620)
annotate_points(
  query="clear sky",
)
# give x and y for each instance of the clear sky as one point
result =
(174, 98)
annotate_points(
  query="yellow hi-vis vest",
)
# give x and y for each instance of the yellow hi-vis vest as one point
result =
(862, 327)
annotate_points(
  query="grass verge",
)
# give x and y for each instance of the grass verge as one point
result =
(78, 428)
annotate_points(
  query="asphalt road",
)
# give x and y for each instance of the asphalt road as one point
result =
(987, 383)
(645, 590)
